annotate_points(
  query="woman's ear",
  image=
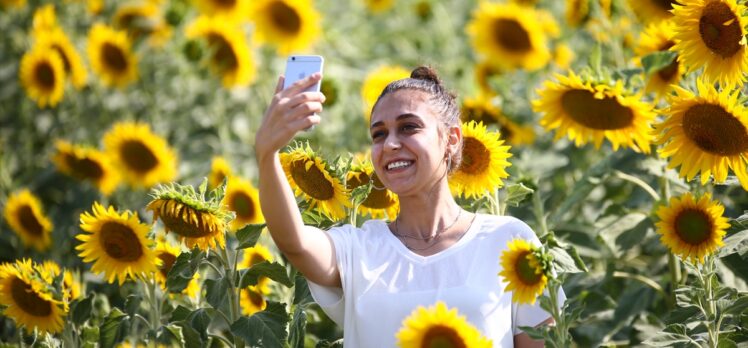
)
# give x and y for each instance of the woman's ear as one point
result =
(454, 137)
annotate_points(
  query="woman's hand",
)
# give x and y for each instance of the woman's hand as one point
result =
(290, 111)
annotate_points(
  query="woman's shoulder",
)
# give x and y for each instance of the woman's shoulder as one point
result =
(369, 229)
(505, 227)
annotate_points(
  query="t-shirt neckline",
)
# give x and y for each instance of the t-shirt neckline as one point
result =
(400, 247)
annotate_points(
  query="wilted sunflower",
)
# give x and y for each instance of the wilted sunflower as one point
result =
(708, 33)
(244, 200)
(116, 244)
(142, 19)
(380, 200)
(692, 228)
(652, 11)
(586, 110)
(484, 162)
(42, 75)
(522, 271)
(658, 37)
(29, 298)
(252, 256)
(231, 10)
(378, 6)
(111, 57)
(230, 55)
(168, 254)
(509, 35)
(252, 300)
(219, 170)
(375, 83)
(289, 25)
(309, 176)
(706, 133)
(23, 212)
(439, 326)
(72, 62)
(86, 163)
(143, 158)
(190, 216)
(44, 20)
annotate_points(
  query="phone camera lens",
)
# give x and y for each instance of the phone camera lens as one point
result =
(293, 58)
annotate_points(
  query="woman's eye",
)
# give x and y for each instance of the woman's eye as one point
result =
(376, 135)
(409, 127)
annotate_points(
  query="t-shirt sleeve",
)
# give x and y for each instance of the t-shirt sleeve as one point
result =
(332, 299)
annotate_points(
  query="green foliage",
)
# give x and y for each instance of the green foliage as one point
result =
(183, 270)
(263, 329)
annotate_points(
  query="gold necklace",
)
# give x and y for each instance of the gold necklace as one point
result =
(434, 238)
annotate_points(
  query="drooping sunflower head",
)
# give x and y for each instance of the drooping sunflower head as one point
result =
(30, 297)
(592, 111)
(692, 228)
(111, 56)
(484, 162)
(523, 272)
(192, 217)
(23, 212)
(311, 178)
(45, 19)
(56, 39)
(244, 200)
(252, 300)
(86, 163)
(252, 256)
(289, 25)
(658, 37)
(116, 243)
(706, 134)
(380, 200)
(143, 158)
(219, 170)
(232, 10)
(42, 75)
(375, 83)
(652, 11)
(708, 34)
(439, 326)
(230, 55)
(510, 35)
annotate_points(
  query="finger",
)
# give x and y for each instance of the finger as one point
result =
(279, 86)
(305, 122)
(305, 97)
(304, 83)
(303, 110)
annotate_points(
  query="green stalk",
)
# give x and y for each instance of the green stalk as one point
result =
(560, 327)
(537, 205)
(673, 263)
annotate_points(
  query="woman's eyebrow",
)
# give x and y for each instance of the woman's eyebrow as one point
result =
(399, 118)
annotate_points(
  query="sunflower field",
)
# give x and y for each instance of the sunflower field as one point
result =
(617, 129)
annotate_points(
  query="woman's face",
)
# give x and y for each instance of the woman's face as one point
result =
(408, 151)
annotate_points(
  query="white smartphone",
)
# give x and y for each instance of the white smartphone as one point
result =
(299, 67)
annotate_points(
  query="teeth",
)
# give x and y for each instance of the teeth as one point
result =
(398, 164)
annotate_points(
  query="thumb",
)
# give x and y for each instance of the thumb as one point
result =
(279, 86)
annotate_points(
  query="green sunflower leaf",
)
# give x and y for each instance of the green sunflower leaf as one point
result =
(114, 328)
(81, 309)
(517, 193)
(264, 329)
(274, 271)
(215, 292)
(301, 295)
(183, 270)
(736, 242)
(249, 235)
(297, 328)
(656, 61)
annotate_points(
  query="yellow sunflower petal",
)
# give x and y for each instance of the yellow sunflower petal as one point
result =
(143, 157)
(521, 270)
(484, 162)
(111, 56)
(42, 75)
(289, 25)
(244, 200)
(27, 298)
(23, 212)
(439, 326)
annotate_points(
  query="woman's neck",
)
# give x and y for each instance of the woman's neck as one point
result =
(424, 214)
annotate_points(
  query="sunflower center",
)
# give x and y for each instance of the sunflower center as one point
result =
(715, 130)
(505, 131)
(26, 298)
(525, 271)
(720, 29)
(45, 75)
(666, 5)
(475, 156)
(29, 221)
(255, 259)
(670, 71)
(87, 168)
(187, 221)
(167, 261)
(510, 35)
(65, 60)
(693, 226)
(377, 199)
(255, 297)
(120, 242)
(313, 182)
(285, 17)
(440, 336)
(479, 114)
(114, 58)
(223, 53)
(602, 114)
(242, 205)
(225, 4)
(138, 157)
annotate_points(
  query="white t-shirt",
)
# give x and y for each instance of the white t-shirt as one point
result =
(383, 282)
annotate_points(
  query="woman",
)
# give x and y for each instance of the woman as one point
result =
(369, 279)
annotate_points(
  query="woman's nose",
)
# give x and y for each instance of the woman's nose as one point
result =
(392, 142)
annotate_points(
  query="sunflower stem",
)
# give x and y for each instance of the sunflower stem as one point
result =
(537, 208)
(673, 263)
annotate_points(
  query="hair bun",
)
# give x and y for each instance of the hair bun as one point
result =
(425, 73)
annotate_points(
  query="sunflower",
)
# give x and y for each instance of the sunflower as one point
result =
(243, 199)
(168, 254)
(70, 287)
(252, 300)
(510, 35)
(187, 214)
(484, 72)
(706, 133)
(481, 109)
(230, 55)
(86, 163)
(658, 37)
(116, 243)
(709, 33)
(111, 56)
(378, 6)
(588, 110)
(692, 228)
(652, 11)
(309, 177)
(380, 200)
(484, 162)
(143, 158)
(232, 10)
(44, 20)
(439, 326)
(29, 298)
(252, 256)
(219, 170)
(42, 75)
(23, 212)
(142, 19)
(523, 272)
(72, 62)
(289, 25)
(577, 12)
(563, 56)
(6, 4)
(375, 83)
